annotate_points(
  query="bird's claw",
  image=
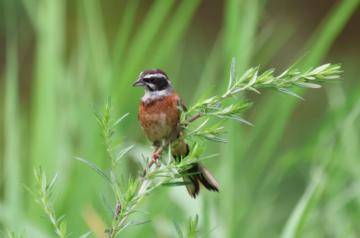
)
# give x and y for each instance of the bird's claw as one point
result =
(154, 160)
(155, 156)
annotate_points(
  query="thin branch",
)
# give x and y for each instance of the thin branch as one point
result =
(220, 106)
(43, 193)
(194, 118)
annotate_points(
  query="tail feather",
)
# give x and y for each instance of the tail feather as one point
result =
(207, 179)
(192, 185)
(198, 173)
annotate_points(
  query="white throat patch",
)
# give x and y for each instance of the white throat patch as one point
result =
(150, 96)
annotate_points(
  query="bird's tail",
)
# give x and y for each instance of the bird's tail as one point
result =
(196, 174)
(199, 174)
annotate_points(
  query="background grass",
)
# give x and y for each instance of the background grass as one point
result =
(294, 174)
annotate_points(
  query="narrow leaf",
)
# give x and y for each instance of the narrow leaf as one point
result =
(291, 93)
(232, 73)
(120, 120)
(86, 235)
(123, 152)
(308, 85)
(95, 168)
(320, 69)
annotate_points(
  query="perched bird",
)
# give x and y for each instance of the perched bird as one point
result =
(159, 116)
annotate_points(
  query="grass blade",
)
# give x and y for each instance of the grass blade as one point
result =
(299, 214)
(12, 160)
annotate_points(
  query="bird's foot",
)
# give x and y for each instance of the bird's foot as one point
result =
(154, 160)
(155, 156)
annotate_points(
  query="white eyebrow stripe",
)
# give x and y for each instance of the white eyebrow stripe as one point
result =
(154, 76)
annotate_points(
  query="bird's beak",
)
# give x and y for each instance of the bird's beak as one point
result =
(138, 83)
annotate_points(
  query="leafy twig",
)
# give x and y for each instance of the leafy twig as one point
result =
(228, 106)
(43, 193)
(159, 176)
(192, 229)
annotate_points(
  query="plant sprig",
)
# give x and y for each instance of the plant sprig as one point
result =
(192, 229)
(228, 106)
(107, 126)
(43, 193)
(136, 192)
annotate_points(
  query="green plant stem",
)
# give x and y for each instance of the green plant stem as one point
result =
(147, 186)
(51, 215)
(43, 192)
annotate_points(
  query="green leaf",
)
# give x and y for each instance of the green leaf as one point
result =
(51, 185)
(192, 228)
(291, 93)
(308, 85)
(137, 223)
(60, 219)
(95, 168)
(319, 69)
(86, 235)
(232, 73)
(120, 120)
(123, 152)
(63, 228)
(235, 118)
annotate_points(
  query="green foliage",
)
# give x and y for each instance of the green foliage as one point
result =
(251, 80)
(43, 192)
(191, 229)
(107, 127)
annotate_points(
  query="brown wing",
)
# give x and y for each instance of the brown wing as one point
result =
(179, 148)
(181, 105)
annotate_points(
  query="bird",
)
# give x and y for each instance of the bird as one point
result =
(159, 116)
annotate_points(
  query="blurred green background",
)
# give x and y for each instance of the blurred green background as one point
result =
(294, 174)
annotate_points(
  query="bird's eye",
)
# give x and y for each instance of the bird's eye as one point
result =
(150, 80)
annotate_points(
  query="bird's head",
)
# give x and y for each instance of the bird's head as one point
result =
(153, 80)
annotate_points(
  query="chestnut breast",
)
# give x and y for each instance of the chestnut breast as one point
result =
(159, 118)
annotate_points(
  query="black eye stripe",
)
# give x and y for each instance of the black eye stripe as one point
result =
(160, 83)
(154, 79)
(150, 80)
